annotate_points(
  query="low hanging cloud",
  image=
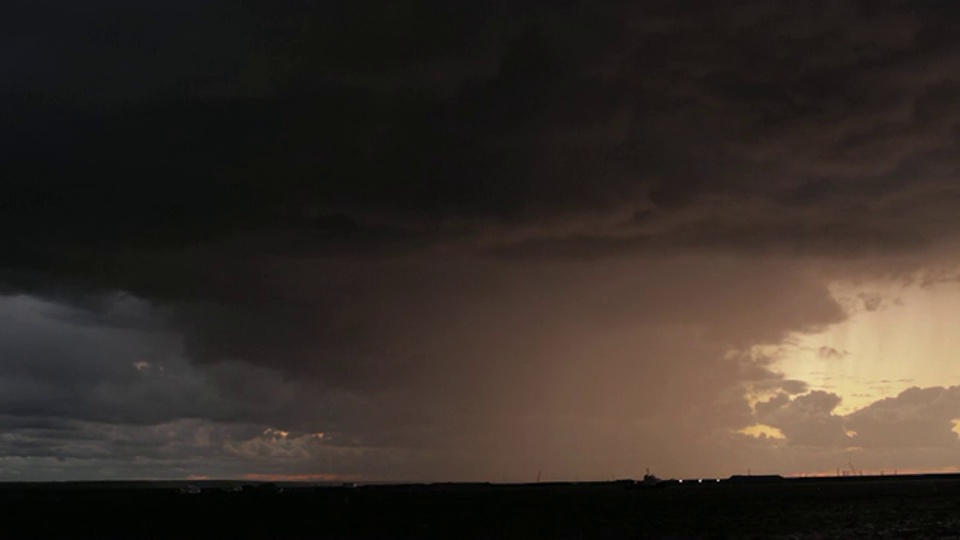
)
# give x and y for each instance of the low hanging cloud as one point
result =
(917, 417)
(915, 430)
(488, 381)
(806, 420)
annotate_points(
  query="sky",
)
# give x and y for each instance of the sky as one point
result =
(493, 240)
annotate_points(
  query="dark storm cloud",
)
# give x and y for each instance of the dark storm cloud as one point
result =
(344, 213)
(635, 126)
(54, 369)
(84, 400)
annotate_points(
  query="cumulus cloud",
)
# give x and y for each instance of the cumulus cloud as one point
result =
(914, 430)
(917, 417)
(806, 420)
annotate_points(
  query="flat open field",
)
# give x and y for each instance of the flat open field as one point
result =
(809, 508)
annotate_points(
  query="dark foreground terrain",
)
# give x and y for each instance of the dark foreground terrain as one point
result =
(916, 507)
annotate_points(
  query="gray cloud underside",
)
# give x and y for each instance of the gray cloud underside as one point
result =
(652, 126)
(913, 430)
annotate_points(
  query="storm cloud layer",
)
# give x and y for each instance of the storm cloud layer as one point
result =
(430, 241)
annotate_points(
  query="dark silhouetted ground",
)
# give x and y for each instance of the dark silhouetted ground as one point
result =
(810, 508)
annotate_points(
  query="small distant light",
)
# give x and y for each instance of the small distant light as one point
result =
(718, 479)
(681, 481)
(700, 481)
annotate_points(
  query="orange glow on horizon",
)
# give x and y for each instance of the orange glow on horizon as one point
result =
(877, 472)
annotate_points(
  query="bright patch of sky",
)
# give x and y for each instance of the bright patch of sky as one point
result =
(897, 336)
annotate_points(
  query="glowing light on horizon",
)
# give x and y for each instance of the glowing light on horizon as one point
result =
(760, 431)
(896, 336)
(274, 433)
